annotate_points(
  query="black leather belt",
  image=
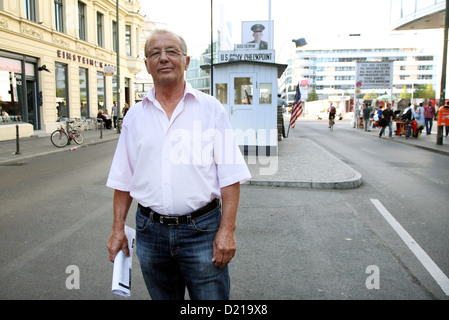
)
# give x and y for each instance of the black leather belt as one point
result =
(177, 220)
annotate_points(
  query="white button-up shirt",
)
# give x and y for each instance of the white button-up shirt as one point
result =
(177, 165)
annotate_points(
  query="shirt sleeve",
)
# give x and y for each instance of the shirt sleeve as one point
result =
(120, 174)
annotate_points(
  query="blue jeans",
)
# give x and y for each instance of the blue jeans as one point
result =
(428, 123)
(390, 126)
(175, 257)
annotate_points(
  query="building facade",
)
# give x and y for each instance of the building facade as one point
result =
(53, 56)
(332, 72)
(417, 14)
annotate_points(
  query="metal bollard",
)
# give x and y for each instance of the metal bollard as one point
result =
(101, 127)
(17, 140)
(440, 135)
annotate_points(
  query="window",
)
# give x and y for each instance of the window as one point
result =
(243, 88)
(84, 92)
(30, 10)
(62, 105)
(82, 20)
(221, 90)
(128, 39)
(114, 88)
(265, 93)
(114, 36)
(10, 89)
(59, 15)
(101, 90)
(100, 29)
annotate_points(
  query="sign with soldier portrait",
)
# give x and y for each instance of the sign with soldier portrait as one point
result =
(257, 32)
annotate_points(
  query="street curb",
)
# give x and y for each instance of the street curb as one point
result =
(57, 150)
(343, 184)
(352, 182)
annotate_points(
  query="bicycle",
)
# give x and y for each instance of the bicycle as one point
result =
(331, 127)
(60, 138)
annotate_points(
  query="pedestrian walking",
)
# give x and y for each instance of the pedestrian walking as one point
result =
(177, 157)
(114, 114)
(429, 115)
(387, 120)
(366, 111)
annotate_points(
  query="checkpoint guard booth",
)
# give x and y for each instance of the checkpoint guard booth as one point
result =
(246, 83)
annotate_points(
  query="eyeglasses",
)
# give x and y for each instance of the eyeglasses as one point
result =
(171, 53)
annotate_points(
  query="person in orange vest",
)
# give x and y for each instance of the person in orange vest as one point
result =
(443, 117)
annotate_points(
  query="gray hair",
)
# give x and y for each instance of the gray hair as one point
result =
(161, 31)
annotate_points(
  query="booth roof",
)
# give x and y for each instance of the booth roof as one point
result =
(281, 67)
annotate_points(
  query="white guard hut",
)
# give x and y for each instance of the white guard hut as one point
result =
(247, 85)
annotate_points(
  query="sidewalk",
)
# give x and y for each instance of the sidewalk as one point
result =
(426, 142)
(40, 145)
(303, 164)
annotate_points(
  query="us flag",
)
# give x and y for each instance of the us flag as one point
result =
(297, 109)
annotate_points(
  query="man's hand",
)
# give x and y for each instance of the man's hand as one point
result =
(224, 243)
(118, 241)
(224, 248)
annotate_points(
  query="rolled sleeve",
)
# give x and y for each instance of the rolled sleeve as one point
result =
(121, 172)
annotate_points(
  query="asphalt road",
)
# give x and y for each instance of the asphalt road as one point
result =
(293, 244)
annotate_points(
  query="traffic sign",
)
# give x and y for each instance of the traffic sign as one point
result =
(359, 84)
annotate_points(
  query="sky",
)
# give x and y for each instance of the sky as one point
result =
(314, 20)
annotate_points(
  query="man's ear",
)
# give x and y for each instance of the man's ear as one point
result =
(187, 63)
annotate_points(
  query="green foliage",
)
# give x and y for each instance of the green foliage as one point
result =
(424, 91)
(312, 95)
(404, 94)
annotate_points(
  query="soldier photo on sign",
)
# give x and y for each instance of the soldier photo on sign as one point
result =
(255, 32)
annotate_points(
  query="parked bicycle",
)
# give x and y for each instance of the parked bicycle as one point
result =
(60, 138)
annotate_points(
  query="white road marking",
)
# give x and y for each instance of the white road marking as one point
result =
(427, 262)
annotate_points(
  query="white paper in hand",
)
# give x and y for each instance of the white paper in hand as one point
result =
(121, 275)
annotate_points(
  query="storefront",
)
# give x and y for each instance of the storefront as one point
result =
(19, 99)
(52, 70)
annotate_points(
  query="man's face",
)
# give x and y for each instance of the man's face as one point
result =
(257, 36)
(166, 68)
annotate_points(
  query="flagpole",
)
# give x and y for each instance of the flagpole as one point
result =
(270, 44)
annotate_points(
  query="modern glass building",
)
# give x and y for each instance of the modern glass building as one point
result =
(332, 72)
(417, 14)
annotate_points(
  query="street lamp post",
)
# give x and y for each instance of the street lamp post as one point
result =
(443, 74)
(211, 48)
(118, 66)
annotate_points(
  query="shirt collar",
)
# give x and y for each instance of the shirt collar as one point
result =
(151, 95)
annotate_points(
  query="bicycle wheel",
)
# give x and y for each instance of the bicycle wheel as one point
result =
(78, 136)
(59, 138)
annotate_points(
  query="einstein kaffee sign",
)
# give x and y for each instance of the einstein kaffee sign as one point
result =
(246, 55)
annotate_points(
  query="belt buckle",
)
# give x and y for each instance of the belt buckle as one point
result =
(169, 221)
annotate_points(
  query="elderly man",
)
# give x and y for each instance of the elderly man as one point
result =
(177, 157)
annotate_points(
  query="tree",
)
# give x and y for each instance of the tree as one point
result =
(404, 94)
(312, 95)
(371, 95)
(425, 92)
